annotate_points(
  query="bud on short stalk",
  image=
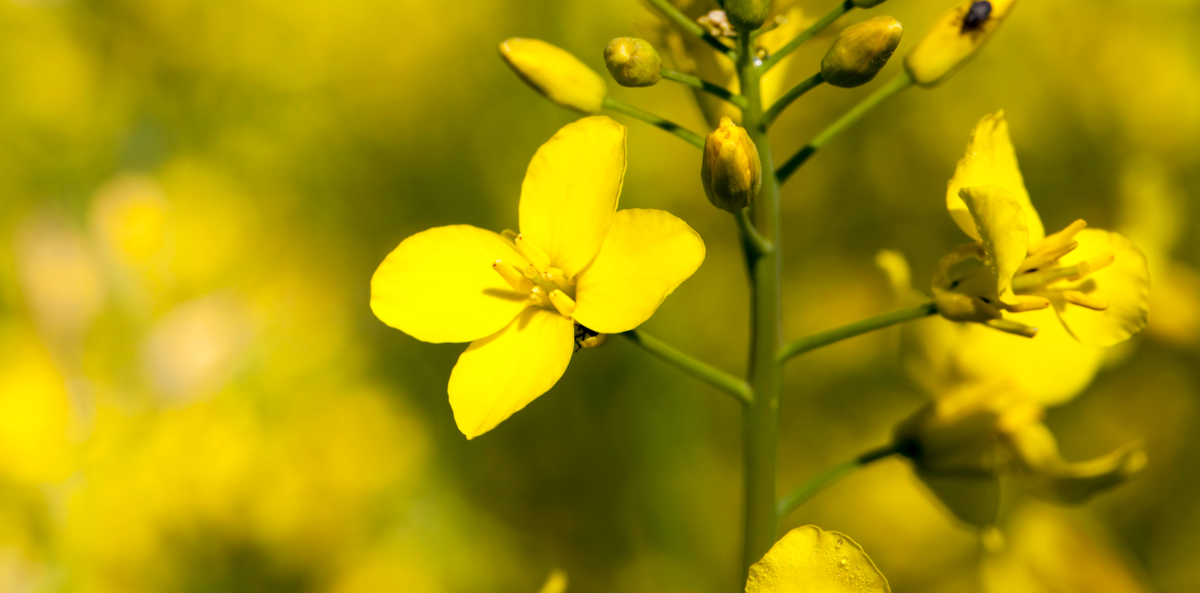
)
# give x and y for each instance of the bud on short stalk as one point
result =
(861, 51)
(747, 15)
(555, 74)
(633, 62)
(731, 172)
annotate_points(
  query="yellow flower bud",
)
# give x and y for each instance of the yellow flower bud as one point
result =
(633, 62)
(954, 39)
(861, 51)
(731, 171)
(747, 15)
(555, 74)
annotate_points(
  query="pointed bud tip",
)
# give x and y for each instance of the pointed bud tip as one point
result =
(730, 169)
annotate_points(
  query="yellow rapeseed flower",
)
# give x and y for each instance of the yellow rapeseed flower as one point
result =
(954, 39)
(518, 298)
(811, 560)
(1096, 281)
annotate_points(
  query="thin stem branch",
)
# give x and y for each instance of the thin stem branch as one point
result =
(750, 237)
(704, 85)
(760, 420)
(692, 27)
(726, 382)
(691, 137)
(793, 93)
(899, 83)
(813, 341)
(807, 34)
(829, 477)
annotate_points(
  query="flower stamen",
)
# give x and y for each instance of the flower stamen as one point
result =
(562, 302)
(1060, 238)
(536, 256)
(1012, 327)
(511, 275)
(1023, 303)
(1083, 300)
(1091, 265)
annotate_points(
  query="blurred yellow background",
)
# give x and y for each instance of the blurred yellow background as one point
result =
(195, 396)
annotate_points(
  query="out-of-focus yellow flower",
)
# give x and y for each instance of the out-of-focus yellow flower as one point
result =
(517, 298)
(195, 348)
(730, 169)
(633, 62)
(1049, 551)
(1096, 281)
(35, 411)
(129, 217)
(861, 51)
(555, 583)
(555, 74)
(954, 39)
(962, 442)
(59, 275)
(810, 560)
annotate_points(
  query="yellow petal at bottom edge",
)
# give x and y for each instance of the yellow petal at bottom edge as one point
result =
(810, 560)
(439, 286)
(646, 255)
(1124, 285)
(498, 375)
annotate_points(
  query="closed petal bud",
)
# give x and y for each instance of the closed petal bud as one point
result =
(731, 172)
(861, 51)
(633, 62)
(555, 74)
(954, 39)
(747, 15)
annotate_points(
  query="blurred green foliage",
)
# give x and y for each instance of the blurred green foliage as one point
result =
(194, 395)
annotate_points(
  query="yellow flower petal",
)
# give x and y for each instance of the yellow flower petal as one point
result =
(571, 190)
(1046, 474)
(990, 160)
(439, 285)
(1001, 224)
(500, 374)
(1123, 285)
(1049, 369)
(810, 560)
(647, 254)
(555, 73)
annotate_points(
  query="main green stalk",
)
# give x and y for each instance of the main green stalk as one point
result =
(760, 420)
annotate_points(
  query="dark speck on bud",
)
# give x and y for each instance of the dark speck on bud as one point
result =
(976, 15)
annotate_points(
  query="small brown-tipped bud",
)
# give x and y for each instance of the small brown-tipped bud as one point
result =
(633, 62)
(747, 15)
(555, 73)
(955, 38)
(731, 172)
(861, 51)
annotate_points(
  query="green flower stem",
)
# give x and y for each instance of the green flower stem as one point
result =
(808, 33)
(899, 83)
(692, 27)
(793, 93)
(691, 137)
(811, 488)
(750, 237)
(700, 370)
(704, 85)
(760, 420)
(813, 341)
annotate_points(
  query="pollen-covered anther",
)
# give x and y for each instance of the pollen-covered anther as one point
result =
(1046, 256)
(1091, 265)
(562, 302)
(1012, 327)
(514, 277)
(536, 256)
(1023, 303)
(1083, 300)
(556, 277)
(1060, 238)
(537, 296)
